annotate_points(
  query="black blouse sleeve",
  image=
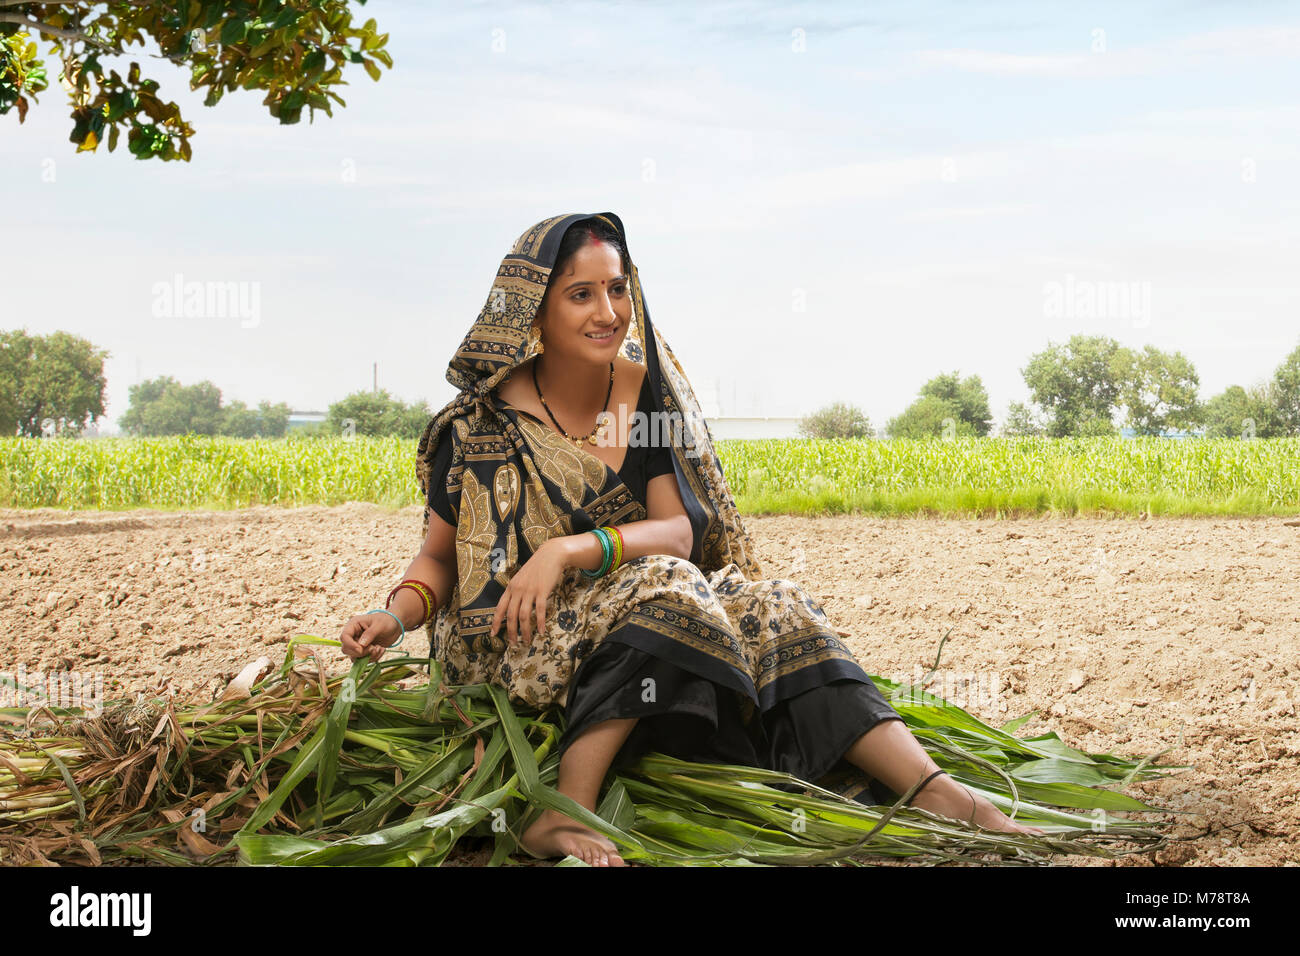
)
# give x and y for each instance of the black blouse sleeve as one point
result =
(437, 497)
(658, 462)
(658, 458)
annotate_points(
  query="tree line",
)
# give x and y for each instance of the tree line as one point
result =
(55, 385)
(1081, 388)
(163, 406)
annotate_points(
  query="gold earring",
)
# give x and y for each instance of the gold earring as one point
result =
(535, 346)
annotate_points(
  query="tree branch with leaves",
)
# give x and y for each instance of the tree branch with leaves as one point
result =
(296, 51)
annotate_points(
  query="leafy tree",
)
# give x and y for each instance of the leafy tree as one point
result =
(1240, 413)
(1095, 426)
(1158, 390)
(240, 421)
(275, 419)
(1285, 393)
(56, 378)
(1021, 421)
(377, 413)
(1078, 384)
(293, 50)
(946, 396)
(265, 421)
(21, 72)
(837, 420)
(163, 406)
(15, 349)
(927, 417)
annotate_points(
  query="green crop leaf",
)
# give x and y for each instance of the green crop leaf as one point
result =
(402, 776)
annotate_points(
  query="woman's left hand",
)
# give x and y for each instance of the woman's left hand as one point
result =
(528, 590)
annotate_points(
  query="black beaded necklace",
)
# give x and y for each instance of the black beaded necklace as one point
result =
(602, 421)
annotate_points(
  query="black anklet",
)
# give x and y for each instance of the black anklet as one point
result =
(922, 786)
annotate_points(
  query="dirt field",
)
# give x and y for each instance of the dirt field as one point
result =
(1128, 636)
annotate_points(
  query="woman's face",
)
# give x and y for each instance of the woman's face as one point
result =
(590, 299)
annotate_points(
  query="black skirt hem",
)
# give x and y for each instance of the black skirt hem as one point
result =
(693, 718)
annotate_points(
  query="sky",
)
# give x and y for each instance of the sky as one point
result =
(825, 202)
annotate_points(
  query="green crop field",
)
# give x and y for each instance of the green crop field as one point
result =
(963, 476)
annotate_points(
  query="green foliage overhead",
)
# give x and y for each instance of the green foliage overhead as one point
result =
(837, 420)
(295, 51)
(49, 384)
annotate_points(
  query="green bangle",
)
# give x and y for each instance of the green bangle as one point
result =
(607, 549)
(607, 554)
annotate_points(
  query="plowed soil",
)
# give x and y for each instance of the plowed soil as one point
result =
(1127, 636)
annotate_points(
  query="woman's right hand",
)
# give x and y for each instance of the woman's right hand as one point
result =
(369, 634)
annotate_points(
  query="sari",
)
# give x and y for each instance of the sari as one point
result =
(714, 621)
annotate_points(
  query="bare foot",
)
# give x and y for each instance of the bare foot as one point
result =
(946, 797)
(554, 834)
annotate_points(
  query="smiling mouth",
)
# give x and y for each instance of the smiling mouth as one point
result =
(601, 337)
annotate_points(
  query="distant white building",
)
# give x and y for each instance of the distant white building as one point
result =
(299, 419)
(753, 427)
(721, 402)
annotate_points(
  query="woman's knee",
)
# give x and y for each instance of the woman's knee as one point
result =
(680, 567)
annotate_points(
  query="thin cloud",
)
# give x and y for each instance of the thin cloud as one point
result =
(1097, 55)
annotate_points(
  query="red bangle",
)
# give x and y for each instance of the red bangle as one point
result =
(431, 599)
(427, 597)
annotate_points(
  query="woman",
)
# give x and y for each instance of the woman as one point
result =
(573, 415)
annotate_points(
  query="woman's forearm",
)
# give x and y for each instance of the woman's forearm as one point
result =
(441, 578)
(652, 536)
